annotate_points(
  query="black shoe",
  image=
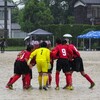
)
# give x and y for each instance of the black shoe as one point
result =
(65, 87)
(45, 88)
(40, 88)
(9, 86)
(92, 85)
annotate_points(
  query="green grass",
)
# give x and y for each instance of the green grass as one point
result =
(17, 48)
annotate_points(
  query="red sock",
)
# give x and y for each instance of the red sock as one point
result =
(9, 80)
(27, 80)
(88, 78)
(23, 81)
(50, 79)
(68, 79)
(57, 79)
(14, 79)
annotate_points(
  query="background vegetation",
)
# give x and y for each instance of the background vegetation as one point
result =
(55, 16)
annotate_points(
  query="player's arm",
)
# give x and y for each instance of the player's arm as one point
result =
(70, 54)
(31, 56)
(76, 51)
(48, 56)
(54, 52)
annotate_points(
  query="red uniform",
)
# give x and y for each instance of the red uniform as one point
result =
(77, 64)
(21, 68)
(62, 52)
(75, 51)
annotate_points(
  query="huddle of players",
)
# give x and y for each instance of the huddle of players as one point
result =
(68, 60)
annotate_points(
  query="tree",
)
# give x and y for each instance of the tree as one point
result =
(59, 9)
(35, 14)
(14, 16)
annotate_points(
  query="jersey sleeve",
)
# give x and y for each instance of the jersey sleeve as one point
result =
(33, 54)
(48, 55)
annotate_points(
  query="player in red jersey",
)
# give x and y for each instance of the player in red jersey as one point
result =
(63, 53)
(21, 68)
(76, 64)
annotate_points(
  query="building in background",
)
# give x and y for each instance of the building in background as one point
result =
(86, 11)
(14, 29)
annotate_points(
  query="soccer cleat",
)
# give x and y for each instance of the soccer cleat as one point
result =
(28, 88)
(45, 88)
(57, 88)
(69, 88)
(9, 86)
(92, 85)
(40, 87)
(65, 87)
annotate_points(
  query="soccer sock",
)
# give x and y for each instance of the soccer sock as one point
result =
(9, 80)
(50, 79)
(45, 79)
(88, 78)
(14, 79)
(68, 79)
(23, 81)
(27, 80)
(40, 80)
(57, 79)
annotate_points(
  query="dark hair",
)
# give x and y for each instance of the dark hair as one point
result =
(64, 41)
(29, 47)
(58, 41)
(43, 44)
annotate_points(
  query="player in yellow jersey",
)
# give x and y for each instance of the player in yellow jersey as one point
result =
(42, 55)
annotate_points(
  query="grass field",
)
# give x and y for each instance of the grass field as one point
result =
(13, 48)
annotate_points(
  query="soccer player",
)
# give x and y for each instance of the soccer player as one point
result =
(63, 53)
(42, 55)
(21, 68)
(76, 64)
(50, 70)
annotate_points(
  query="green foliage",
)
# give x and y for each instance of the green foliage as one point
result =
(71, 20)
(15, 48)
(15, 13)
(15, 42)
(35, 14)
(87, 30)
(59, 11)
(73, 29)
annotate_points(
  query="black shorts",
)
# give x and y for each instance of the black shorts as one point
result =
(21, 67)
(77, 64)
(62, 64)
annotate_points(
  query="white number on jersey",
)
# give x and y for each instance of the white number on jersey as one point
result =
(64, 52)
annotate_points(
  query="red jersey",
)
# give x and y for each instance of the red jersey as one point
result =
(75, 51)
(23, 55)
(62, 51)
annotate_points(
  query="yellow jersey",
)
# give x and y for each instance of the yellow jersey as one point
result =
(41, 54)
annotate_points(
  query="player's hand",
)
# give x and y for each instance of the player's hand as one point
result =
(49, 66)
(28, 62)
(30, 66)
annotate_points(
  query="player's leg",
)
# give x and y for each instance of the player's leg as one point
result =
(92, 84)
(27, 81)
(45, 74)
(40, 74)
(12, 80)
